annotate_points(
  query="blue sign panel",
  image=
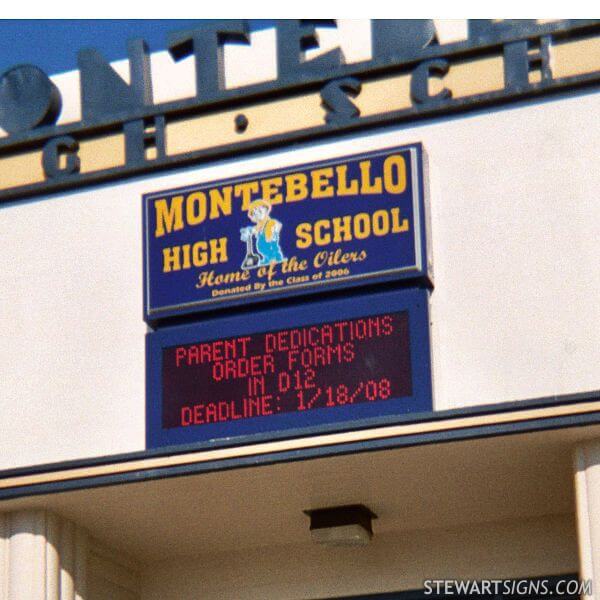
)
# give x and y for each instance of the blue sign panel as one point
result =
(336, 223)
(316, 367)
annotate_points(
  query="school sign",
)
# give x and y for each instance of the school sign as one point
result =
(335, 223)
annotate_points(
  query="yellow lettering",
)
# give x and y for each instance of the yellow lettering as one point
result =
(171, 259)
(245, 190)
(394, 174)
(381, 222)
(220, 202)
(321, 187)
(342, 229)
(186, 256)
(169, 217)
(199, 254)
(322, 239)
(343, 188)
(296, 188)
(368, 186)
(362, 226)
(398, 227)
(271, 189)
(304, 236)
(195, 208)
(218, 250)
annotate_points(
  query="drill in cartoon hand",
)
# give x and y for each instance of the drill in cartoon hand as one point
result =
(252, 259)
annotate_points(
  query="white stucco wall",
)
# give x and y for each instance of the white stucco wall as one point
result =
(515, 312)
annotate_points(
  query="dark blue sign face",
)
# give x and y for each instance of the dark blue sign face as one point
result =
(316, 367)
(335, 223)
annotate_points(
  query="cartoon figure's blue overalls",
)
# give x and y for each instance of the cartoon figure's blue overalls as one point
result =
(266, 232)
(267, 243)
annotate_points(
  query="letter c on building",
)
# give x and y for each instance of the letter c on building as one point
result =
(419, 82)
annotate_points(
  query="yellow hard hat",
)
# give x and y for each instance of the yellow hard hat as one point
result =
(257, 203)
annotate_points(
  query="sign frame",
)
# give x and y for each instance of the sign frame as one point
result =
(415, 301)
(421, 269)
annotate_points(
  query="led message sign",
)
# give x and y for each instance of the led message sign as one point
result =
(321, 364)
(329, 224)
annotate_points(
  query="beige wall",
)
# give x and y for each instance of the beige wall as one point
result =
(515, 224)
(392, 562)
(514, 312)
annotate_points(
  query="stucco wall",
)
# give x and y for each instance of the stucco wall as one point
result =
(515, 311)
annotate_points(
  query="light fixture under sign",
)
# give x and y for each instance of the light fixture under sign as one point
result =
(348, 525)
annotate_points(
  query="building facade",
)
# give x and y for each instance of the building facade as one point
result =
(484, 467)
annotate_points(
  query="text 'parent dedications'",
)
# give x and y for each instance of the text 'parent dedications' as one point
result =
(311, 367)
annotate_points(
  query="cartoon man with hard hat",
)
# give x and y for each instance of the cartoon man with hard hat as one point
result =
(266, 233)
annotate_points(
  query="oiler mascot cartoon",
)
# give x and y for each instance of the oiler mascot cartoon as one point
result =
(266, 233)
